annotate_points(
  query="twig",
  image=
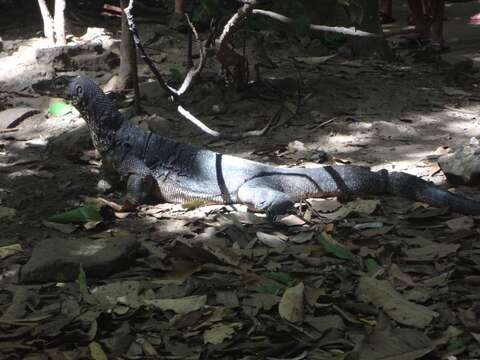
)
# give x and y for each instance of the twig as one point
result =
(335, 29)
(6, 131)
(136, 38)
(225, 54)
(186, 114)
(326, 122)
(194, 71)
(252, 133)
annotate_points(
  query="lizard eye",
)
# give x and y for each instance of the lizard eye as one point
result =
(79, 91)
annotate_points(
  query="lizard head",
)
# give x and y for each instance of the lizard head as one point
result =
(66, 87)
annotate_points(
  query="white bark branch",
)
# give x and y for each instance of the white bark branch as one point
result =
(59, 22)
(335, 29)
(47, 21)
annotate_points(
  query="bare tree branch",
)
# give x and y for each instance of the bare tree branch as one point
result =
(136, 38)
(228, 57)
(59, 22)
(47, 21)
(334, 29)
(193, 72)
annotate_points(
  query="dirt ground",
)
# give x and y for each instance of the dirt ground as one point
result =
(379, 277)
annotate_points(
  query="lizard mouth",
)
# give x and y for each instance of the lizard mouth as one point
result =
(55, 87)
(43, 87)
(48, 88)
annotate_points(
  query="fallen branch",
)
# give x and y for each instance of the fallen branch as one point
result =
(252, 133)
(335, 29)
(194, 71)
(325, 123)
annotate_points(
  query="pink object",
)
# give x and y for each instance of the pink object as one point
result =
(474, 19)
(111, 10)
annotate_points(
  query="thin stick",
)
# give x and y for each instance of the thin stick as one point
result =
(188, 115)
(6, 131)
(326, 122)
(194, 71)
(136, 38)
(335, 29)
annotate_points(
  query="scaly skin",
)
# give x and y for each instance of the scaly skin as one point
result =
(179, 173)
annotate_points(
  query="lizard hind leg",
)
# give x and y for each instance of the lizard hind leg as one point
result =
(261, 196)
(140, 188)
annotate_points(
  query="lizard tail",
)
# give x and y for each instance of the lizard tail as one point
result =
(414, 188)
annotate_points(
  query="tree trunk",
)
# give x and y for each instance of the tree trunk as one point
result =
(127, 50)
(59, 22)
(47, 21)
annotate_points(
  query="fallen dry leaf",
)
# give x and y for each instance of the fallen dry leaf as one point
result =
(181, 305)
(362, 207)
(218, 333)
(431, 252)
(324, 205)
(7, 212)
(291, 304)
(274, 240)
(9, 250)
(461, 223)
(387, 343)
(382, 294)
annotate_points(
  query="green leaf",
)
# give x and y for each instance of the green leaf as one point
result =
(334, 248)
(372, 265)
(80, 215)
(281, 277)
(59, 108)
(454, 344)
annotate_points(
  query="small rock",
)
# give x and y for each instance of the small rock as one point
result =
(59, 260)
(103, 186)
(71, 143)
(462, 166)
